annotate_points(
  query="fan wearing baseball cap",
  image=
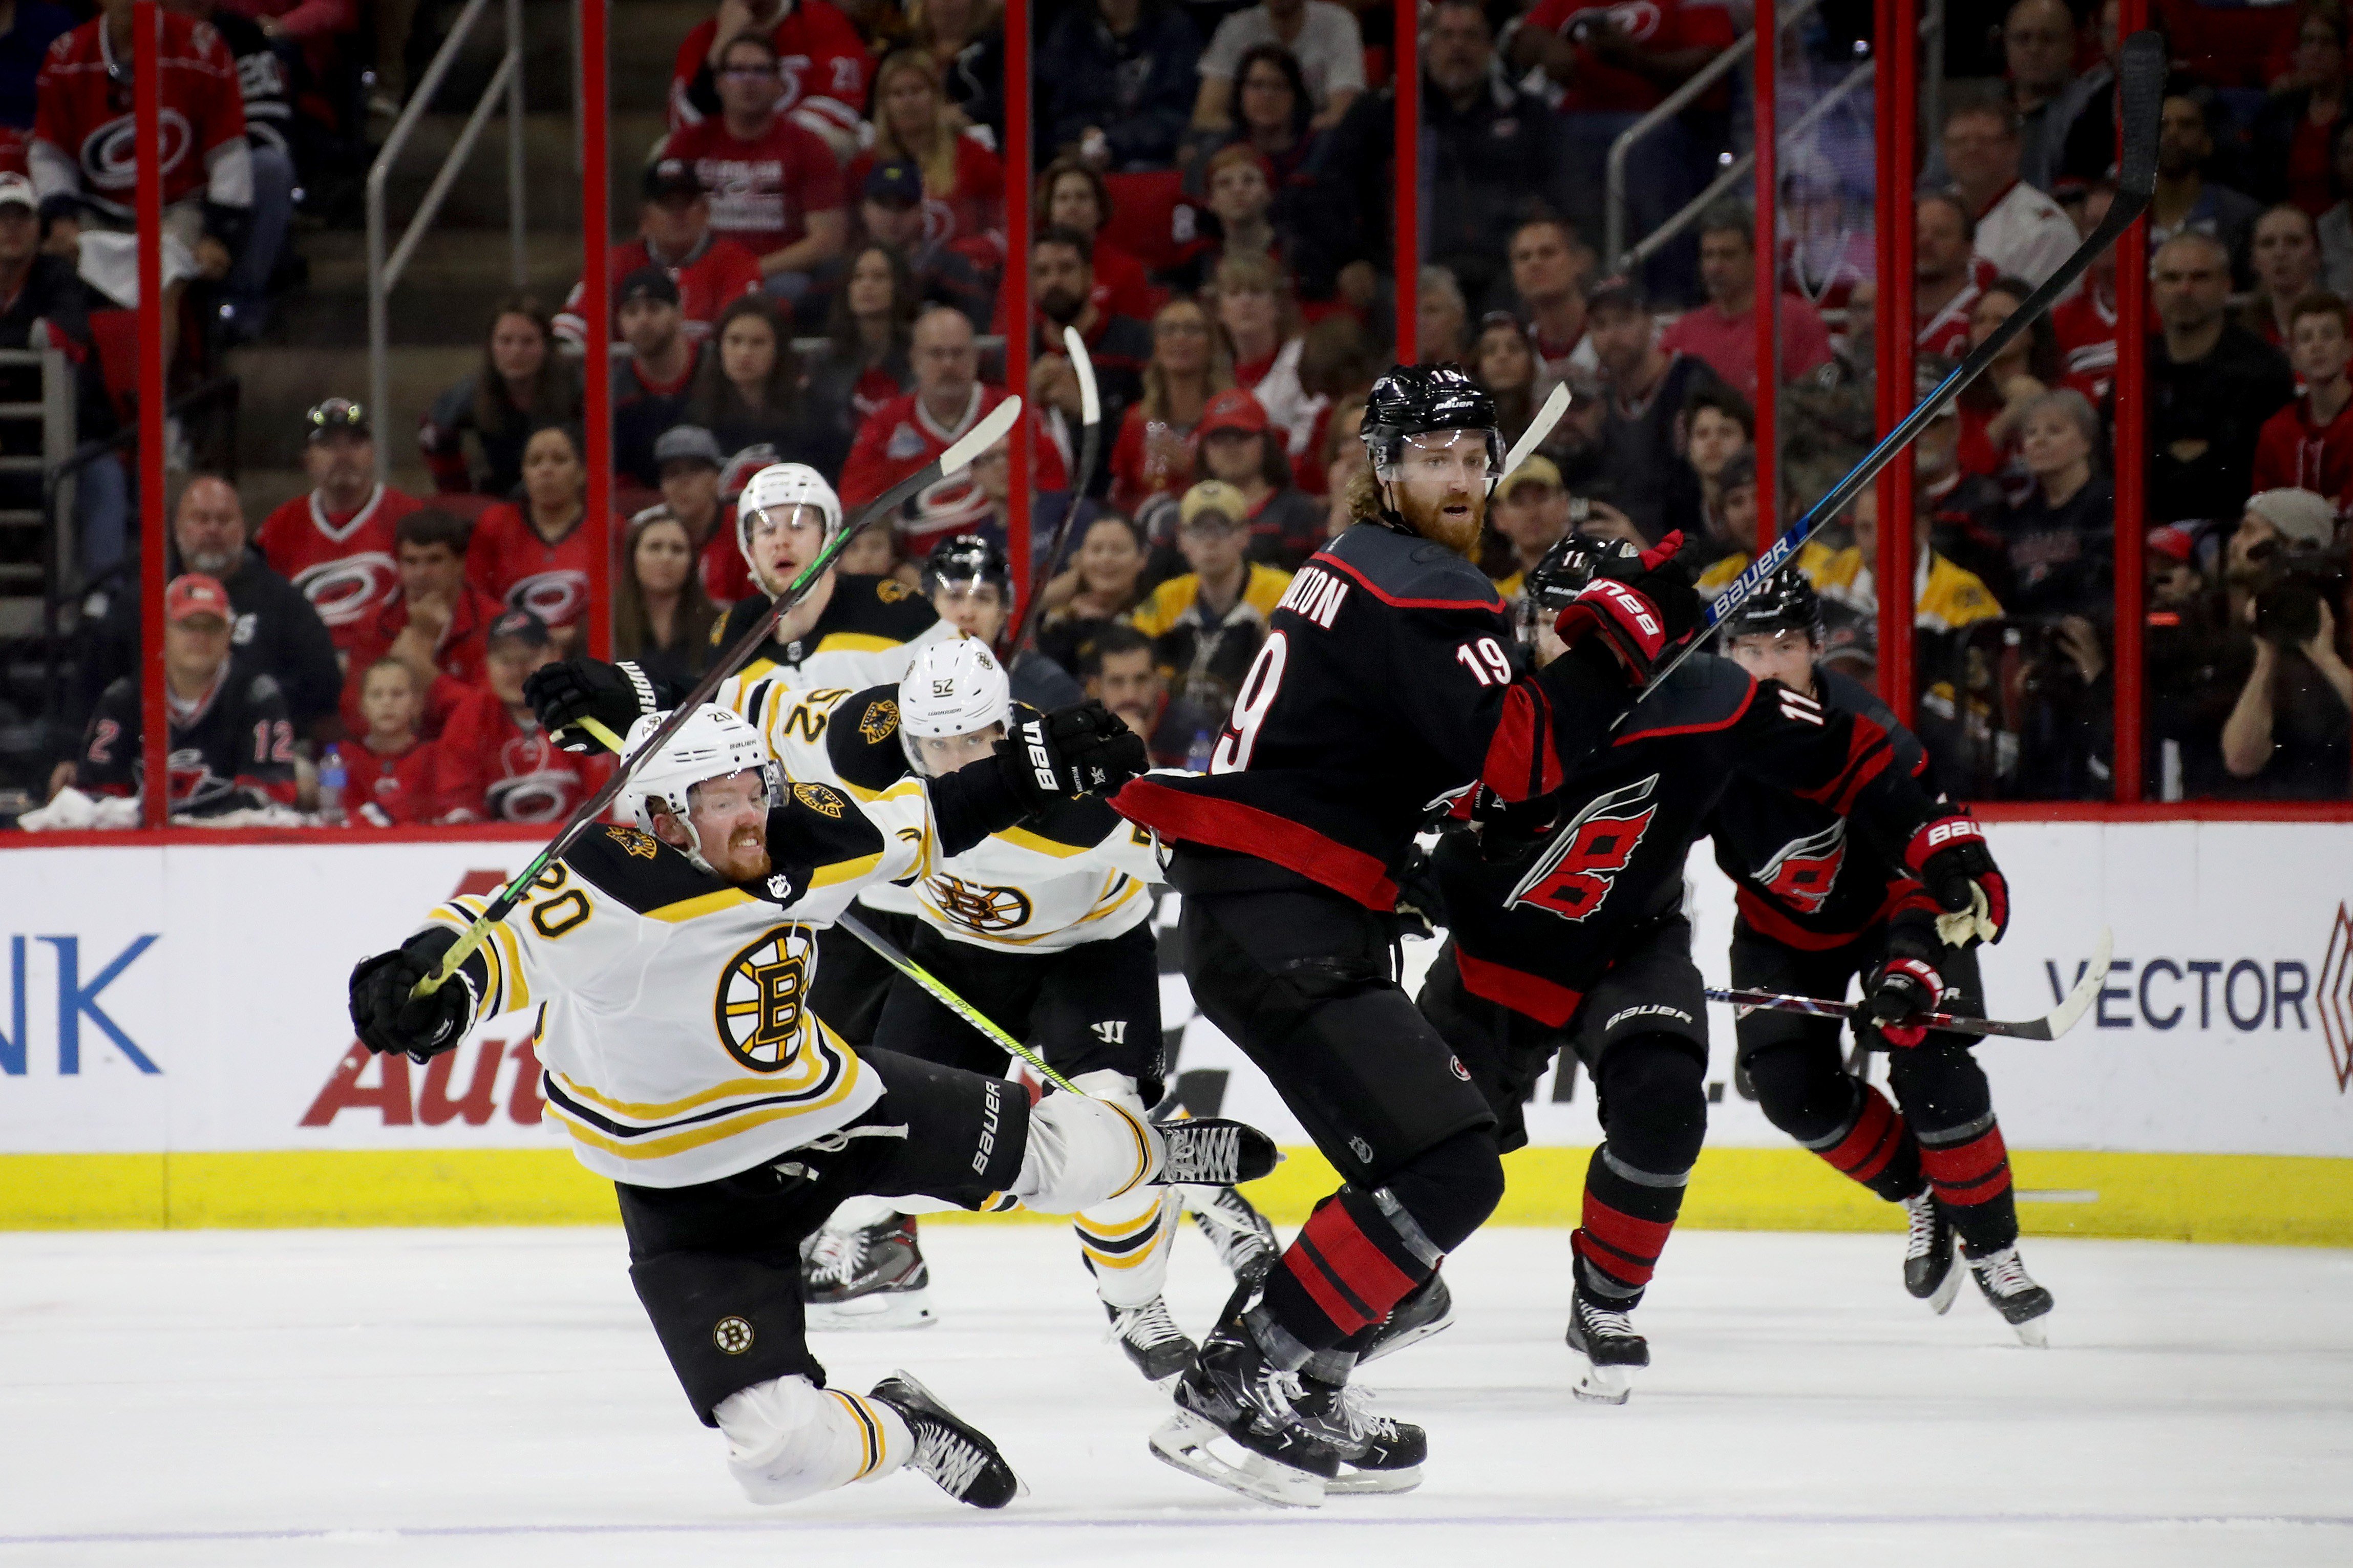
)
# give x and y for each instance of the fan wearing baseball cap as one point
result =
(334, 543)
(1207, 626)
(674, 236)
(493, 762)
(232, 742)
(1238, 445)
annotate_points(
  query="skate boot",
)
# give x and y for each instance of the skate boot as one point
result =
(1152, 1340)
(1235, 1399)
(871, 1277)
(1426, 1309)
(1208, 1151)
(1612, 1349)
(956, 1455)
(1378, 1454)
(1929, 1253)
(2022, 1303)
(1243, 1237)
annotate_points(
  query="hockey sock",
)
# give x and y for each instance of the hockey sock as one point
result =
(1083, 1152)
(1126, 1242)
(1655, 1118)
(1970, 1168)
(1357, 1256)
(788, 1440)
(1872, 1145)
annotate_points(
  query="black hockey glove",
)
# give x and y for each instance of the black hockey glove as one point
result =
(1901, 986)
(1084, 749)
(1420, 902)
(390, 1020)
(1950, 858)
(615, 695)
(1635, 604)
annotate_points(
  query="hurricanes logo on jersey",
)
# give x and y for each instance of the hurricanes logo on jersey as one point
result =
(881, 717)
(762, 993)
(1574, 875)
(343, 590)
(981, 907)
(1802, 875)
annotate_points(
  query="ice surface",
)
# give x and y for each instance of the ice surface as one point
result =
(478, 1397)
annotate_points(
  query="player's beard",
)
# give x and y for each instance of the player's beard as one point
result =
(747, 856)
(1458, 529)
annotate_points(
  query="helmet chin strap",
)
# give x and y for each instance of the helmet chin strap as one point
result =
(692, 847)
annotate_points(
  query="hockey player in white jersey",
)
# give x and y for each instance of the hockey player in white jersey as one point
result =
(669, 966)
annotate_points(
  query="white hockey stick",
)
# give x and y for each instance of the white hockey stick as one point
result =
(1538, 428)
(2050, 1026)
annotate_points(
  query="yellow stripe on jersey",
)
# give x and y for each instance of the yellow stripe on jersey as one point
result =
(700, 905)
(1113, 1231)
(845, 870)
(811, 1064)
(703, 1134)
(508, 991)
(1022, 839)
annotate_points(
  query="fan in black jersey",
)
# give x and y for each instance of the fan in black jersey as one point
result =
(1566, 927)
(1819, 907)
(1388, 682)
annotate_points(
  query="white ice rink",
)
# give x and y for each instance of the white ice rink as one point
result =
(489, 1397)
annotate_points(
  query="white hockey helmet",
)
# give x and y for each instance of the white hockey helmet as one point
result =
(774, 490)
(953, 688)
(714, 743)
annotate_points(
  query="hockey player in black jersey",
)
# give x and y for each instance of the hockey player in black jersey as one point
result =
(1385, 683)
(970, 584)
(1819, 906)
(1566, 927)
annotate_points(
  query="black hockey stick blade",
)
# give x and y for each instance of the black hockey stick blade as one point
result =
(1089, 451)
(987, 433)
(2140, 74)
(2050, 1026)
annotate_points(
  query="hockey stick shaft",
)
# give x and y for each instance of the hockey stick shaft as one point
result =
(889, 952)
(2050, 1026)
(1089, 451)
(2140, 74)
(1538, 428)
(955, 460)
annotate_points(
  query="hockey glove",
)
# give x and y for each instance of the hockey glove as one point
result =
(1420, 904)
(1902, 987)
(615, 695)
(1950, 858)
(1575, 562)
(388, 1019)
(1620, 619)
(1084, 749)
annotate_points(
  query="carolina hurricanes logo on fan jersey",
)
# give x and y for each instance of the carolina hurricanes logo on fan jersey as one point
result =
(555, 597)
(530, 790)
(1571, 879)
(947, 501)
(1638, 19)
(1802, 875)
(343, 590)
(109, 155)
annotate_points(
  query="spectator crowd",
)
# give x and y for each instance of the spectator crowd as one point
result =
(819, 274)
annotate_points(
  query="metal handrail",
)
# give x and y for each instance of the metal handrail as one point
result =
(384, 273)
(1675, 103)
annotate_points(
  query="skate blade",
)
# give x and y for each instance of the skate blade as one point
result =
(1604, 1385)
(1413, 1337)
(2034, 1332)
(1362, 1483)
(901, 1310)
(1185, 1442)
(1941, 1302)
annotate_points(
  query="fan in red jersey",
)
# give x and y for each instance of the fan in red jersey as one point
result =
(493, 762)
(821, 64)
(434, 622)
(336, 543)
(534, 553)
(390, 766)
(2085, 322)
(674, 232)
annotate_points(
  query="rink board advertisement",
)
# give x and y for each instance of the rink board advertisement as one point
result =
(174, 1046)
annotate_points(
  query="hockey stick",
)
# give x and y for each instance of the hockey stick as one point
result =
(1538, 428)
(1090, 449)
(2140, 74)
(888, 951)
(2049, 1026)
(954, 460)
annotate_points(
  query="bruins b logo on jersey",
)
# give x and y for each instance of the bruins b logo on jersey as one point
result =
(881, 717)
(980, 907)
(762, 995)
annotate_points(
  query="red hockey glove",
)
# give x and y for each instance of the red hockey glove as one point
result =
(1950, 858)
(1627, 622)
(1900, 988)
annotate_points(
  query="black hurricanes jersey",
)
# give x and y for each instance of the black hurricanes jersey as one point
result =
(1388, 680)
(234, 752)
(1800, 877)
(1543, 919)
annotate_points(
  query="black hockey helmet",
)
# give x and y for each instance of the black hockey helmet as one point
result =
(1414, 399)
(968, 561)
(1784, 602)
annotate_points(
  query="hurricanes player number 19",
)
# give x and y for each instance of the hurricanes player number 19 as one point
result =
(1251, 704)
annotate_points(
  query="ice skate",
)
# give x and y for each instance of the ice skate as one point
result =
(1611, 1349)
(1236, 1427)
(1377, 1453)
(1152, 1340)
(956, 1455)
(1930, 1252)
(1243, 1238)
(1209, 1152)
(2022, 1303)
(1427, 1309)
(871, 1278)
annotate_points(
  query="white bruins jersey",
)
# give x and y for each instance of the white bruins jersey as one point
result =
(871, 630)
(672, 1025)
(1078, 873)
